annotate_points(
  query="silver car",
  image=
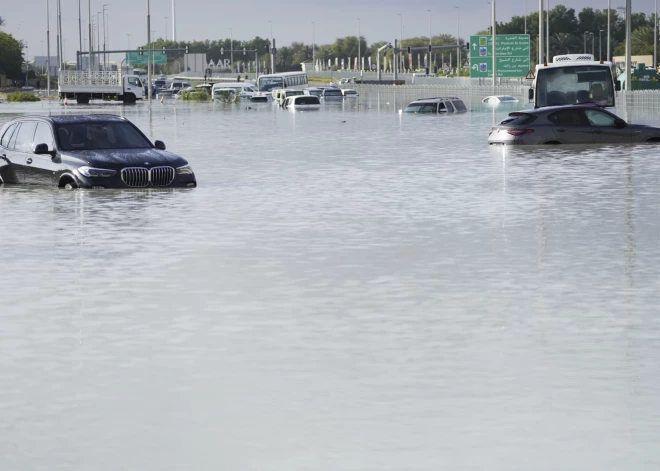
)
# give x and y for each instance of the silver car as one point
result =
(578, 124)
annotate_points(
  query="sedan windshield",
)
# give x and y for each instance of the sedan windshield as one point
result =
(100, 135)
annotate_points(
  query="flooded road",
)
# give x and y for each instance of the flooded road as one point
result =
(346, 289)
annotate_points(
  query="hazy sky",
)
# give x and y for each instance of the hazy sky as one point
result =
(291, 20)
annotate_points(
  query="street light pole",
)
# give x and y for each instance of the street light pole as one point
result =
(458, 42)
(428, 62)
(105, 57)
(609, 7)
(525, 16)
(313, 46)
(48, 45)
(78, 65)
(402, 60)
(129, 47)
(231, 49)
(600, 45)
(655, 37)
(98, 35)
(165, 28)
(586, 33)
(359, 53)
(90, 36)
(592, 43)
(149, 51)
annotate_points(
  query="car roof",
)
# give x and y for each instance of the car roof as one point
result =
(68, 119)
(435, 99)
(548, 109)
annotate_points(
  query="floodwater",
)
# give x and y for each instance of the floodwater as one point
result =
(348, 289)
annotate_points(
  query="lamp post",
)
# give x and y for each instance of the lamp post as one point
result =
(272, 52)
(428, 68)
(165, 28)
(129, 48)
(586, 33)
(231, 48)
(592, 43)
(655, 37)
(313, 46)
(105, 58)
(89, 36)
(600, 45)
(401, 62)
(79, 65)
(98, 35)
(359, 53)
(27, 63)
(609, 22)
(547, 33)
(458, 43)
(525, 16)
(48, 45)
(149, 51)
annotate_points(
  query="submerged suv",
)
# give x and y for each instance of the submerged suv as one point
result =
(92, 151)
(449, 104)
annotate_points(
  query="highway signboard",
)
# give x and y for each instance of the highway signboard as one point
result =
(512, 55)
(158, 57)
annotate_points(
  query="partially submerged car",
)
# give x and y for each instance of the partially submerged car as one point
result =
(572, 124)
(91, 151)
(450, 104)
(497, 99)
(302, 103)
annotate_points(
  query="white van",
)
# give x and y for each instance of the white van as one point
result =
(242, 89)
(281, 94)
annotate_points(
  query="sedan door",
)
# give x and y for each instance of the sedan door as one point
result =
(605, 129)
(7, 168)
(571, 126)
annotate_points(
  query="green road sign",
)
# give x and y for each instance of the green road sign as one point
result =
(512, 55)
(134, 58)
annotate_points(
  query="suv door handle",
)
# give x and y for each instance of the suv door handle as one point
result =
(29, 161)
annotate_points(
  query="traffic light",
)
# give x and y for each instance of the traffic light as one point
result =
(408, 49)
(222, 51)
(243, 51)
(164, 50)
(186, 49)
(141, 50)
(467, 46)
(429, 48)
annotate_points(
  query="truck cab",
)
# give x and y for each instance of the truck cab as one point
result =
(574, 79)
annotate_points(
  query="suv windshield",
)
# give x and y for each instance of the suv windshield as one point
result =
(99, 135)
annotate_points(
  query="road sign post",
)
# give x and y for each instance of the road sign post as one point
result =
(512, 56)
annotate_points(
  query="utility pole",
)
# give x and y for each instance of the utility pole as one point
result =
(359, 53)
(540, 45)
(48, 45)
(79, 66)
(173, 22)
(458, 43)
(148, 52)
(89, 23)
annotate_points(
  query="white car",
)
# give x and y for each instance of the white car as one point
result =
(496, 99)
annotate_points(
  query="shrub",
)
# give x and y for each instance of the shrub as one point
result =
(22, 96)
(195, 95)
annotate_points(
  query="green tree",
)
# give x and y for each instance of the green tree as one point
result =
(641, 42)
(2, 21)
(11, 56)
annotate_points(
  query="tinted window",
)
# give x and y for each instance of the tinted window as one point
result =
(7, 136)
(332, 92)
(600, 118)
(44, 136)
(569, 118)
(459, 105)
(25, 136)
(100, 135)
(449, 106)
(519, 118)
(134, 81)
(421, 108)
(307, 100)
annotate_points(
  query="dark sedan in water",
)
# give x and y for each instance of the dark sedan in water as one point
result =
(573, 124)
(92, 151)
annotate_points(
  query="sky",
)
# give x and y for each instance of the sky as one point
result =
(306, 21)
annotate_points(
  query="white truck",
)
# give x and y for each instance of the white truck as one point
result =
(84, 85)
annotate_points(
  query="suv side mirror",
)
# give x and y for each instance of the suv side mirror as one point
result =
(617, 85)
(530, 94)
(42, 149)
(160, 145)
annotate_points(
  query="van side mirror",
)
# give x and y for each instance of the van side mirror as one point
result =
(617, 85)
(160, 145)
(530, 94)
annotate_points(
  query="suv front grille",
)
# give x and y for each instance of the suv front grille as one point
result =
(140, 177)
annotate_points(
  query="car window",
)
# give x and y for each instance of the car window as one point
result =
(100, 135)
(43, 135)
(600, 118)
(449, 106)
(134, 81)
(459, 105)
(12, 141)
(569, 118)
(25, 136)
(442, 107)
(4, 142)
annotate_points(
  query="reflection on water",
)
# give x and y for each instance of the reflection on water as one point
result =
(350, 288)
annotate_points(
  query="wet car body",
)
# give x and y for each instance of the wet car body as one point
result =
(70, 152)
(571, 124)
(436, 105)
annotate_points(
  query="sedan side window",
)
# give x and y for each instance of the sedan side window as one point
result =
(7, 136)
(569, 118)
(12, 141)
(44, 136)
(598, 118)
(25, 137)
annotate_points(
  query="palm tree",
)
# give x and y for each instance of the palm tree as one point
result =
(563, 43)
(642, 40)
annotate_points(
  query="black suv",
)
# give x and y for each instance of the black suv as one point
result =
(91, 151)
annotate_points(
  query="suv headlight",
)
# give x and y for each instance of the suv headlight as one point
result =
(96, 172)
(185, 170)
